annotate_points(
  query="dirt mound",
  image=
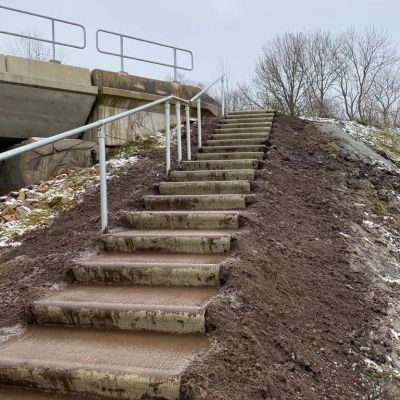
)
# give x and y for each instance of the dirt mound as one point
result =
(299, 314)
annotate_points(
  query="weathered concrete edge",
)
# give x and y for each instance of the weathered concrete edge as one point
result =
(106, 91)
(18, 80)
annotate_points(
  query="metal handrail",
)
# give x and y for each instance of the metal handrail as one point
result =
(197, 98)
(102, 147)
(122, 54)
(53, 41)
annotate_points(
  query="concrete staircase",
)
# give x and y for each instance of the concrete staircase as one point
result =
(135, 317)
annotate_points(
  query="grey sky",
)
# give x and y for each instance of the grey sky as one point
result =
(229, 32)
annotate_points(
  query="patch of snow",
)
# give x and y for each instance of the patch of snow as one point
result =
(8, 332)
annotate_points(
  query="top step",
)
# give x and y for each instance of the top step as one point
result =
(251, 112)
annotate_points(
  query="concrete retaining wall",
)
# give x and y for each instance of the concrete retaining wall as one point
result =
(42, 99)
(122, 92)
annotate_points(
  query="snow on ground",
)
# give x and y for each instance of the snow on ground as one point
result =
(36, 206)
(385, 141)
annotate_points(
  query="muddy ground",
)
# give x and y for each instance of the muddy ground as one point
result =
(303, 306)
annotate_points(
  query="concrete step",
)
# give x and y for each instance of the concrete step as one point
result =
(262, 125)
(222, 136)
(231, 156)
(205, 187)
(8, 393)
(251, 112)
(219, 164)
(215, 175)
(196, 270)
(184, 219)
(149, 308)
(239, 120)
(234, 149)
(243, 130)
(115, 364)
(236, 142)
(212, 202)
(174, 241)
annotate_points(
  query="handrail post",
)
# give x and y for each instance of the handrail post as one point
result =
(223, 96)
(167, 135)
(178, 130)
(53, 38)
(103, 179)
(121, 43)
(199, 122)
(188, 136)
(175, 66)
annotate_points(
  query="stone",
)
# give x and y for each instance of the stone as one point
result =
(21, 211)
(41, 164)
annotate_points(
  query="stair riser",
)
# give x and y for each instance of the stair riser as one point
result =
(196, 204)
(156, 275)
(213, 176)
(231, 156)
(189, 221)
(178, 244)
(233, 149)
(88, 382)
(236, 142)
(243, 130)
(220, 165)
(134, 320)
(209, 188)
(223, 136)
(254, 120)
(248, 113)
(260, 125)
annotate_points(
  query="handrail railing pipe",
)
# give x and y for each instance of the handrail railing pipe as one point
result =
(99, 125)
(168, 135)
(199, 139)
(188, 137)
(197, 97)
(53, 41)
(178, 130)
(122, 55)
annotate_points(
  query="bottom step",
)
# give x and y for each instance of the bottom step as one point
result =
(21, 394)
(114, 364)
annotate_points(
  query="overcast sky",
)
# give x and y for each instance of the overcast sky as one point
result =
(229, 32)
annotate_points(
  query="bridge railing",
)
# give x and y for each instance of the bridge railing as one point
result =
(53, 40)
(122, 54)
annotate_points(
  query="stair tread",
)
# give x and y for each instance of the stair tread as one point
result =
(174, 212)
(8, 393)
(146, 259)
(106, 297)
(152, 355)
(202, 171)
(174, 233)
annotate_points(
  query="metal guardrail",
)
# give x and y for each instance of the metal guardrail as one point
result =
(53, 41)
(102, 144)
(197, 98)
(122, 54)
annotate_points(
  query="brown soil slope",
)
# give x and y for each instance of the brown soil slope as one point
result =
(300, 310)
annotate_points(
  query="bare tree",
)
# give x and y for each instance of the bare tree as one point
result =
(281, 71)
(386, 93)
(33, 48)
(322, 71)
(363, 57)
